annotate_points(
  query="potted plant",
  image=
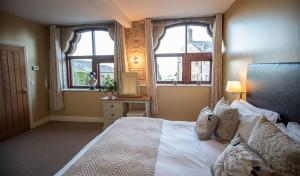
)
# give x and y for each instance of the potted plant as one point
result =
(109, 86)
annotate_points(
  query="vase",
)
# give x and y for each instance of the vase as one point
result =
(92, 83)
(109, 94)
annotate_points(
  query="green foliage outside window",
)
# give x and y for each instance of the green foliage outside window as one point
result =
(80, 78)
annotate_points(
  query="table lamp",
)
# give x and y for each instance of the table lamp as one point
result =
(234, 87)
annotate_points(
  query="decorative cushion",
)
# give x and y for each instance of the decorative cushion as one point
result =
(206, 124)
(238, 159)
(280, 151)
(228, 121)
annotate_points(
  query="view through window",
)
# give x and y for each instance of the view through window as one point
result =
(184, 55)
(93, 51)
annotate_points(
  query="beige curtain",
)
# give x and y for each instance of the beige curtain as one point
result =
(120, 50)
(159, 26)
(217, 77)
(67, 33)
(151, 74)
(56, 94)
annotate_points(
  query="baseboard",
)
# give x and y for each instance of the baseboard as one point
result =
(76, 119)
(66, 118)
(40, 122)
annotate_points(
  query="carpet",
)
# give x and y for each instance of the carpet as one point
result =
(45, 149)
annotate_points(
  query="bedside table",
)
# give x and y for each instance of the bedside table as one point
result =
(117, 107)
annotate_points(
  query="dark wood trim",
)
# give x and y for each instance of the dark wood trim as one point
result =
(198, 57)
(186, 69)
(80, 87)
(170, 82)
(187, 58)
(170, 55)
(96, 60)
(186, 38)
(68, 72)
(96, 56)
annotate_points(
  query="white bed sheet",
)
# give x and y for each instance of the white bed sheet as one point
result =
(180, 152)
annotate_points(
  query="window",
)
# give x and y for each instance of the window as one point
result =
(93, 50)
(184, 55)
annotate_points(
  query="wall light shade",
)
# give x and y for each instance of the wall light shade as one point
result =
(234, 86)
(136, 60)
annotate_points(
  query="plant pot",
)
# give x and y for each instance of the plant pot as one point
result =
(109, 94)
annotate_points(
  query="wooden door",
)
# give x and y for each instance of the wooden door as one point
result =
(14, 110)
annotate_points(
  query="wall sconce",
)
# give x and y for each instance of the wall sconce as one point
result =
(235, 87)
(135, 60)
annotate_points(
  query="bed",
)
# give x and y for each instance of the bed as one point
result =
(179, 152)
(163, 147)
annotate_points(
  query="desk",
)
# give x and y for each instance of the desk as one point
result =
(117, 107)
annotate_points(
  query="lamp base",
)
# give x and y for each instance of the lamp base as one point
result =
(239, 96)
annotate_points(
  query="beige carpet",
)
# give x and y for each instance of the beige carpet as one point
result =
(46, 149)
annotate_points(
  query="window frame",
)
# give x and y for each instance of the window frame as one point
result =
(187, 58)
(96, 59)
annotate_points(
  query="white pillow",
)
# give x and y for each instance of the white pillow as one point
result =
(248, 119)
(294, 127)
(270, 115)
(288, 132)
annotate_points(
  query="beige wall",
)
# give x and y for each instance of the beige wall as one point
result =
(259, 31)
(35, 37)
(175, 102)
(182, 102)
(82, 103)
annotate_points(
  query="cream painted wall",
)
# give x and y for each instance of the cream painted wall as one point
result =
(175, 102)
(182, 102)
(35, 37)
(82, 103)
(260, 32)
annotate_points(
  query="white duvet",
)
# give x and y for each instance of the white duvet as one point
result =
(180, 152)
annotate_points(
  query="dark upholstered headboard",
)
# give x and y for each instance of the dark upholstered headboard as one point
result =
(275, 87)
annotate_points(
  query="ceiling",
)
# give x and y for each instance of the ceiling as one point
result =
(140, 9)
(124, 11)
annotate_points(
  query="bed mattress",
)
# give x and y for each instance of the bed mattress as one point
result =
(180, 152)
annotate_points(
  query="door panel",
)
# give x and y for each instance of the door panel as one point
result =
(14, 112)
(19, 88)
(2, 103)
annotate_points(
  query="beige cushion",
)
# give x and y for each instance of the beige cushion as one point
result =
(206, 124)
(280, 151)
(238, 159)
(228, 121)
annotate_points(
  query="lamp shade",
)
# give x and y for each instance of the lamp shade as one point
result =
(234, 86)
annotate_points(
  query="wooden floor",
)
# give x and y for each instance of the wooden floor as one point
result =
(46, 149)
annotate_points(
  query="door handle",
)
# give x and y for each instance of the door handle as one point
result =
(25, 91)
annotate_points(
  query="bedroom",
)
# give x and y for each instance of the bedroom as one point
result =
(252, 32)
